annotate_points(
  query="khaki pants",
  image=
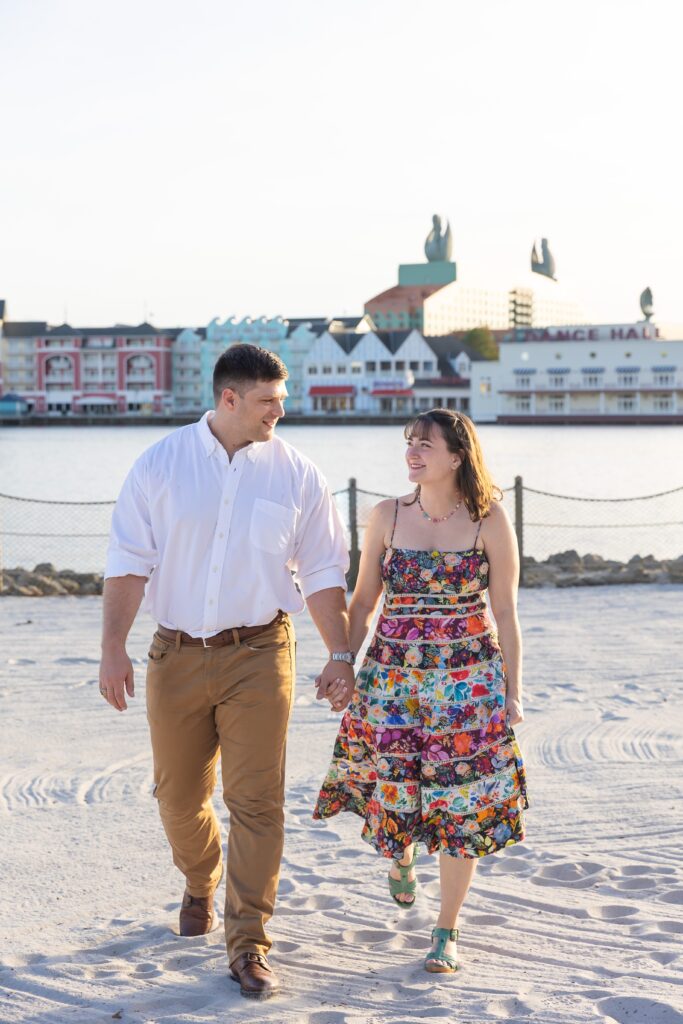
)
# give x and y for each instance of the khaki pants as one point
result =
(233, 701)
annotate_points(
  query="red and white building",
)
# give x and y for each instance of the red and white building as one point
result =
(89, 371)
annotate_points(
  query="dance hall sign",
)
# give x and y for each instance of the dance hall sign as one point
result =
(601, 332)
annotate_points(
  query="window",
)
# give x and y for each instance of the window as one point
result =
(341, 369)
(370, 367)
(524, 382)
(400, 364)
(664, 379)
(626, 403)
(451, 403)
(414, 365)
(556, 381)
(627, 380)
(356, 367)
(523, 405)
(663, 403)
(312, 370)
(485, 386)
(428, 365)
(327, 370)
(465, 404)
(556, 404)
(591, 380)
(385, 366)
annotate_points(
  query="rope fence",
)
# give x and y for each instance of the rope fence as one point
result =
(73, 535)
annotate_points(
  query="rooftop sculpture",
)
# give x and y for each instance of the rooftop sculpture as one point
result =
(545, 264)
(646, 304)
(439, 247)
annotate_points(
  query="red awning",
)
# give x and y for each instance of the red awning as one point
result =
(390, 392)
(332, 390)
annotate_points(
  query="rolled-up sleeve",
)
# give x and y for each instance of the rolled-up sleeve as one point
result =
(132, 550)
(321, 556)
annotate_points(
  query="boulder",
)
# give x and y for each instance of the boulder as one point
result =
(566, 559)
(45, 569)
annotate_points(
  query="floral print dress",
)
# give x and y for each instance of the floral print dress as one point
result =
(424, 752)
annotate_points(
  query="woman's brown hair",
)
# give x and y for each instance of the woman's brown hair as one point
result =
(472, 477)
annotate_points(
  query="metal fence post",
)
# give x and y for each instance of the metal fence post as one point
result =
(354, 553)
(519, 525)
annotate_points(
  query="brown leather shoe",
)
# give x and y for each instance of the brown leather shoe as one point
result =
(255, 975)
(196, 914)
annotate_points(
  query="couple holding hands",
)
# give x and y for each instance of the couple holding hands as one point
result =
(226, 531)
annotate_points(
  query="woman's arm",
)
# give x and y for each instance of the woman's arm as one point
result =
(500, 544)
(367, 592)
(369, 584)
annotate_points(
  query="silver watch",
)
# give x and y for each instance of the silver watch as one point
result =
(348, 656)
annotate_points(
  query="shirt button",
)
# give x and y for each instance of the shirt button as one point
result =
(221, 535)
(214, 568)
(210, 600)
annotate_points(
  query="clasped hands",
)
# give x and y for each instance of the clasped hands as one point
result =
(336, 683)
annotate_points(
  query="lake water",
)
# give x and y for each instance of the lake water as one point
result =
(64, 463)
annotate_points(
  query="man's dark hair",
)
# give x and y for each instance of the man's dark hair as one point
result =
(242, 366)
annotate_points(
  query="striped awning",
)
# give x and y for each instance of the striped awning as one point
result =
(524, 371)
(558, 369)
(628, 369)
(664, 369)
(391, 392)
(592, 369)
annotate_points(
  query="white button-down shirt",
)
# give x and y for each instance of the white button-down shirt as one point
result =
(220, 539)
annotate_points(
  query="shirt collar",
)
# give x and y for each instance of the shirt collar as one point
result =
(211, 443)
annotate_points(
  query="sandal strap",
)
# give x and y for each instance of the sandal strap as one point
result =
(444, 934)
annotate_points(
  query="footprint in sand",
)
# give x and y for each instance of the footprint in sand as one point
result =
(638, 1010)
(578, 875)
(675, 897)
(613, 912)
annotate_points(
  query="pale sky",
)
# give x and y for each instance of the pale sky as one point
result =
(182, 161)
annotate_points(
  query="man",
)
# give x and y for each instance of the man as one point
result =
(209, 526)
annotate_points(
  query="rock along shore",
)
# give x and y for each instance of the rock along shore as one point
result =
(565, 569)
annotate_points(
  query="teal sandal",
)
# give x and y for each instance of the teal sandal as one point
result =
(438, 954)
(402, 885)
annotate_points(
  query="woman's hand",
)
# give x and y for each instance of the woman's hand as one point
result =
(339, 692)
(514, 711)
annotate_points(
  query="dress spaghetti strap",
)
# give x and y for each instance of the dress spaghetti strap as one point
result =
(474, 546)
(393, 529)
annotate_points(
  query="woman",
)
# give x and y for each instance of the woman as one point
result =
(426, 752)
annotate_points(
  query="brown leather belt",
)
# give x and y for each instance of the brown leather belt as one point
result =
(222, 639)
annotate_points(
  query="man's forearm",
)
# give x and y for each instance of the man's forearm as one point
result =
(122, 596)
(328, 611)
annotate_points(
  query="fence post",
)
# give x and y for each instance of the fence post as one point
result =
(354, 553)
(519, 525)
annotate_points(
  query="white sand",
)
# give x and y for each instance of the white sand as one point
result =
(582, 923)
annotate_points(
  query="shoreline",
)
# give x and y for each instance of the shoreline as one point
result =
(565, 569)
(328, 419)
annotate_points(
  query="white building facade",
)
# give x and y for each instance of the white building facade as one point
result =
(616, 373)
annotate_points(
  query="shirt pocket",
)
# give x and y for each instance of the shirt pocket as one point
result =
(272, 527)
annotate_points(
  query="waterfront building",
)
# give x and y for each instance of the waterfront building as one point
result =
(606, 373)
(186, 376)
(95, 371)
(385, 373)
(430, 298)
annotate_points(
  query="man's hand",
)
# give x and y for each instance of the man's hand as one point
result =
(116, 676)
(336, 682)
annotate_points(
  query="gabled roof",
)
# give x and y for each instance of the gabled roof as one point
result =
(448, 346)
